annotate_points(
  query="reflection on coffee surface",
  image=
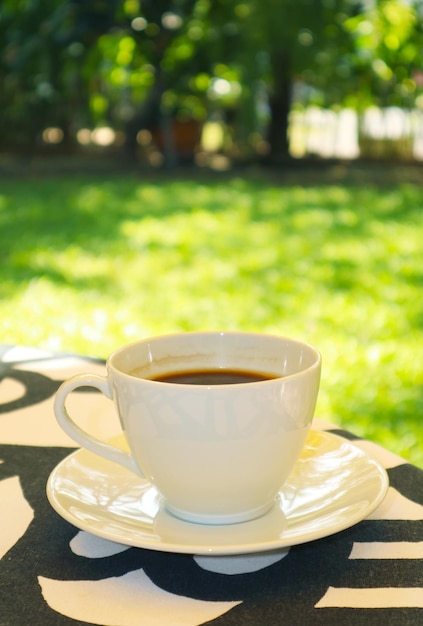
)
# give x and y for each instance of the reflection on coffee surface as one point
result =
(208, 377)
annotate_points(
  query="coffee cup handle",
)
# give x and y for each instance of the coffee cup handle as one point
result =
(79, 435)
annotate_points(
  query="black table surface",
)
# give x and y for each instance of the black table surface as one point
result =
(52, 573)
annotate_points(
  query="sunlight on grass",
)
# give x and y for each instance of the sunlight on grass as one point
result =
(89, 264)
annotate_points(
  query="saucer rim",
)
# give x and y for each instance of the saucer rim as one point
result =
(204, 549)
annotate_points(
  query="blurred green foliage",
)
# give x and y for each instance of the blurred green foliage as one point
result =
(90, 263)
(129, 64)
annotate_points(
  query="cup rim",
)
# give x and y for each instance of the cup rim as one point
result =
(291, 340)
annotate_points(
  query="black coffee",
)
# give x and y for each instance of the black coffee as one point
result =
(213, 377)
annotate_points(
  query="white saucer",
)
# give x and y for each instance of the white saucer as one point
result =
(333, 486)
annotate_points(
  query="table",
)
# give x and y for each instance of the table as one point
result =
(51, 573)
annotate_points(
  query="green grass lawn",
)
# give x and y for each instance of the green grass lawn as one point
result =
(89, 263)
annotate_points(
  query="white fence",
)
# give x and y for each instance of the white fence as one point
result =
(379, 133)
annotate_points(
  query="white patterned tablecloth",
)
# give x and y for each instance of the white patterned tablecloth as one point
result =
(51, 573)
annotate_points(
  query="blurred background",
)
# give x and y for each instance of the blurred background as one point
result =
(154, 80)
(198, 164)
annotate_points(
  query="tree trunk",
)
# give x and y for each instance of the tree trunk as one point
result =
(280, 106)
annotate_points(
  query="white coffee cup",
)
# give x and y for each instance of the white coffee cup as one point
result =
(217, 453)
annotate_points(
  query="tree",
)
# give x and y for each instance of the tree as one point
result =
(133, 64)
(294, 41)
(44, 48)
(388, 42)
